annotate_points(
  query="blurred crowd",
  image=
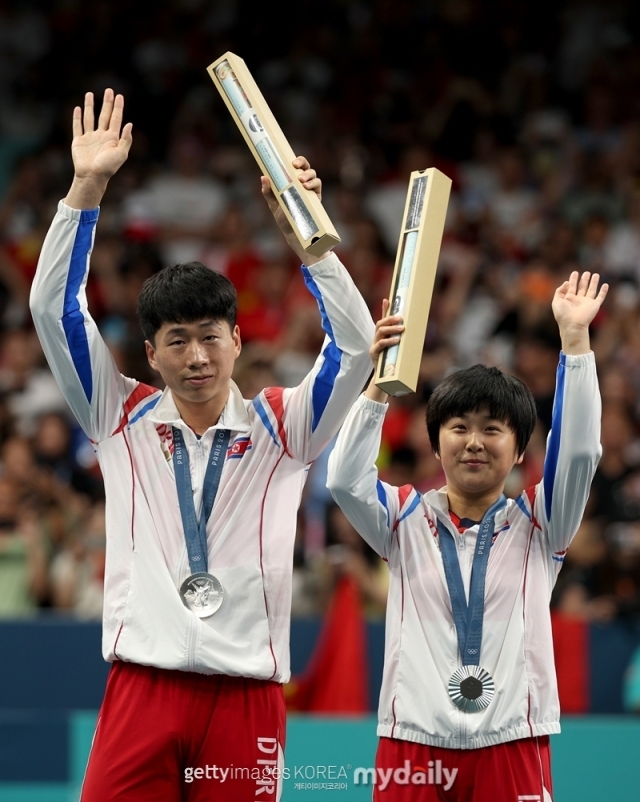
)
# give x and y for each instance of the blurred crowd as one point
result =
(531, 109)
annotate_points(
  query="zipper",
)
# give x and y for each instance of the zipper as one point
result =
(198, 475)
(192, 639)
(197, 480)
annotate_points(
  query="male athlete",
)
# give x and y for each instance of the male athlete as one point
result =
(469, 694)
(202, 490)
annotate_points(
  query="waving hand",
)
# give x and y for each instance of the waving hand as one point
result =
(98, 151)
(575, 304)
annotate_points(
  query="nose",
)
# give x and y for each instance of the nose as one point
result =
(197, 354)
(474, 442)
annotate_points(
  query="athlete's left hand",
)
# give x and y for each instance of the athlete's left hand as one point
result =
(575, 304)
(309, 180)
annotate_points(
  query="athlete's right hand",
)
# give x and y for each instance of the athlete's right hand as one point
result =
(387, 333)
(99, 153)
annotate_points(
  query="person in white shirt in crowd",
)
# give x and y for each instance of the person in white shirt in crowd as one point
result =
(182, 205)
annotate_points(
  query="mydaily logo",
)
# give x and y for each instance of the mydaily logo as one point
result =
(434, 773)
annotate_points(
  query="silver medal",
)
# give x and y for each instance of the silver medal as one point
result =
(471, 688)
(202, 593)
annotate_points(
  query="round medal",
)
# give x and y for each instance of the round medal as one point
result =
(202, 593)
(471, 688)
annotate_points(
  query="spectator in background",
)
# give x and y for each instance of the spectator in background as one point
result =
(23, 559)
(347, 553)
(514, 213)
(612, 496)
(385, 202)
(253, 370)
(77, 571)
(367, 263)
(535, 362)
(181, 205)
(622, 244)
(54, 452)
(601, 578)
(30, 387)
(234, 253)
(264, 305)
(593, 191)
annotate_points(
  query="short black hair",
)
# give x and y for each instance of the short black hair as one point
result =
(508, 399)
(183, 294)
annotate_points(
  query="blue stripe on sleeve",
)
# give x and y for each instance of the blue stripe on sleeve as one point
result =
(411, 507)
(523, 506)
(553, 448)
(262, 412)
(382, 498)
(145, 409)
(72, 317)
(324, 381)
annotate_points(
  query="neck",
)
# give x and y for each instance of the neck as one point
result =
(471, 507)
(201, 416)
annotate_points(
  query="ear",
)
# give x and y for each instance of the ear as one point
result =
(237, 342)
(151, 355)
(519, 459)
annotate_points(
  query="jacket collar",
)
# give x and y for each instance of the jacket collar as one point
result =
(439, 502)
(234, 415)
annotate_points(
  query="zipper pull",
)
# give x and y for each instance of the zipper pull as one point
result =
(461, 542)
(199, 447)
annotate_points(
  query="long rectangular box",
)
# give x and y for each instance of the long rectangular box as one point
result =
(414, 277)
(273, 153)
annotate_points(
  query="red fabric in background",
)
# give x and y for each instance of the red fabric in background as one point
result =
(571, 647)
(337, 677)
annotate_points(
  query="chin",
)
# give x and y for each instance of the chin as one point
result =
(476, 487)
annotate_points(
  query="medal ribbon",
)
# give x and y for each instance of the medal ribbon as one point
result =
(468, 618)
(195, 530)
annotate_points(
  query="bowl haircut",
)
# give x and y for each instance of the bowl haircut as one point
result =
(506, 398)
(185, 293)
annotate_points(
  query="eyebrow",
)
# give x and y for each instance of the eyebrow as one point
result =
(205, 324)
(487, 418)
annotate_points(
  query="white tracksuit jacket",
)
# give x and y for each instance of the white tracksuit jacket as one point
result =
(532, 534)
(252, 527)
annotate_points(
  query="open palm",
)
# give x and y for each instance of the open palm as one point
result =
(100, 152)
(577, 301)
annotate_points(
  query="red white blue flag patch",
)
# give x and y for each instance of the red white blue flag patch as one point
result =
(238, 448)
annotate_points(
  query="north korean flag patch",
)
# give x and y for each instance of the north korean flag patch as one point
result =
(238, 448)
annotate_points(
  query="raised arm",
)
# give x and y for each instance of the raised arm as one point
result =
(98, 394)
(573, 445)
(304, 419)
(372, 506)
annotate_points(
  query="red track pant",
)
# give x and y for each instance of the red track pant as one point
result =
(516, 771)
(174, 736)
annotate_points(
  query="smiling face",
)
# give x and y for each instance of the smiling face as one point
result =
(477, 454)
(196, 361)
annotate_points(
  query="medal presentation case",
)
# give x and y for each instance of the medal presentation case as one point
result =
(273, 153)
(414, 278)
